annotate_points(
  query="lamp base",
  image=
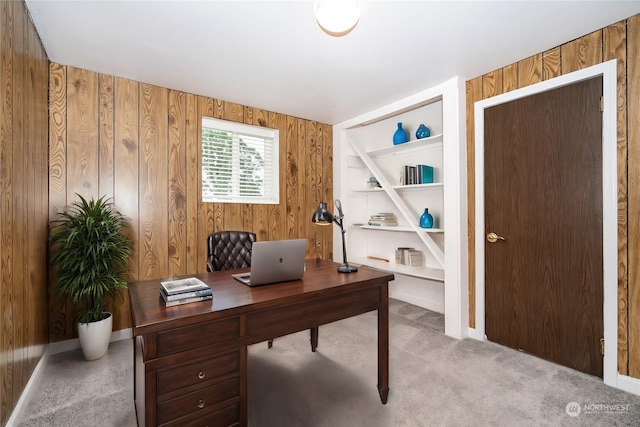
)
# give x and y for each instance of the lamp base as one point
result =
(346, 268)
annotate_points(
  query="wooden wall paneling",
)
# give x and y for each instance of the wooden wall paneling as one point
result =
(156, 134)
(6, 219)
(177, 205)
(218, 208)
(492, 84)
(551, 64)
(327, 187)
(615, 47)
(582, 52)
(473, 93)
(530, 70)
(192, 186)
(510, 77)
(126, 163)
(82, 133)
(60, 325)
(276, 214)
(233, 212)
(20, 196)
(602, 45)
(312, 195)
(292, 176)
(256, 216)
(38, 302)
(208, 221)
(23, 217)
(633, 126)
(247, 209)
(105, 135)
(57, 139)
(33, 242)
(43, 107)
(153, 182)
(303, 182)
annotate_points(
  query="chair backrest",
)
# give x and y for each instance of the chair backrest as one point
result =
(228, 250)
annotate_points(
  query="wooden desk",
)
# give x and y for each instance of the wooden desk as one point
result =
(190, 360)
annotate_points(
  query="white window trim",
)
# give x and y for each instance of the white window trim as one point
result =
(250, 130)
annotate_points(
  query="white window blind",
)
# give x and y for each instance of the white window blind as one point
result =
(239, 163)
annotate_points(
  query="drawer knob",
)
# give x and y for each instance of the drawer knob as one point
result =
(200, 403)
(201, 375)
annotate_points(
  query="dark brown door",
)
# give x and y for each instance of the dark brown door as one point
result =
(543, 195)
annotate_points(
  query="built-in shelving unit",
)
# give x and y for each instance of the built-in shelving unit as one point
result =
(368, 170)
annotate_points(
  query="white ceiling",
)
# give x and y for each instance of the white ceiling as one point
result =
(272, 55)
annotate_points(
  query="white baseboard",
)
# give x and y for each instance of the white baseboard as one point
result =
(476, 335)
(29, 388)
(50, 349)
(420, 302)
(68, 345)
(628, 384)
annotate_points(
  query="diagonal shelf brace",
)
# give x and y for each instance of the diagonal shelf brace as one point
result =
(400, 204)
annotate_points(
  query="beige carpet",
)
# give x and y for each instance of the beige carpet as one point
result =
(434, 380)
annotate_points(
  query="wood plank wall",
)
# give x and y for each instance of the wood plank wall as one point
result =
(140, 144)
(619, 41)
(23, 202)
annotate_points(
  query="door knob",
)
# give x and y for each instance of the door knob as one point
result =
(493, 237)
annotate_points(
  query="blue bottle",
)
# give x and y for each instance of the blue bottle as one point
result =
(400, 136)
(426, 220)
(422, 132)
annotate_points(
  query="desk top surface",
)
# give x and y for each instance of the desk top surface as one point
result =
(231, 297)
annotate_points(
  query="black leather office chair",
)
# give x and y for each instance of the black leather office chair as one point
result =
(229, 250)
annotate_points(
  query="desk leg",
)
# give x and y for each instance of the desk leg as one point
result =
(383, 345)
(314, 338)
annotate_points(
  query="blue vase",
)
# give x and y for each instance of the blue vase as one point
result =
(426, 220)
(400, 136)
(422, 132)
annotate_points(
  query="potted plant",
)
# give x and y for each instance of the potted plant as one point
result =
(90, 255)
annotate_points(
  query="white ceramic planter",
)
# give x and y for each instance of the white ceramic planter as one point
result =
(95, 337)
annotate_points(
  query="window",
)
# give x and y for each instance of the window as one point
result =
(239, 163)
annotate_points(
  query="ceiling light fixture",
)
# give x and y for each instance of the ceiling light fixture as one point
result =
(337, 17)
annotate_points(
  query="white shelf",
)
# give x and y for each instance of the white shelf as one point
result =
(417, 144)
(398, 228)
(423, 272)
(417, 186)
(369, 190)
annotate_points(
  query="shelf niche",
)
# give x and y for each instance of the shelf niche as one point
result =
(363, 148)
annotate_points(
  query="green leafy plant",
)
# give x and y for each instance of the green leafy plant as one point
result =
(91, 254)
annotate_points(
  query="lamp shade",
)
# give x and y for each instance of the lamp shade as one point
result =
(322, 216)
(337, 17)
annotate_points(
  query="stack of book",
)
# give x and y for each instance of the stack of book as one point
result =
(183, 291)
(408, 256)
(383, 219)
(418, 174)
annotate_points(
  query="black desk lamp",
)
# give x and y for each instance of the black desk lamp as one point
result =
(323, 217)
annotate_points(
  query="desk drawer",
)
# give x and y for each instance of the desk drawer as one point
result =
(180, 339)
(222, 416)
(198, 402)
(280, 321)
(174, 378)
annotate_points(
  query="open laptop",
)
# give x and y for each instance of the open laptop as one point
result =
(275, 261)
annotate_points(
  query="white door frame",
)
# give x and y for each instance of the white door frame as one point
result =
(609, 199)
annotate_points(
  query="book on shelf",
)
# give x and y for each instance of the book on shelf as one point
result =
(418, 174)
(408, 256)
(177, 286)
(185, 300)
(386, 219)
